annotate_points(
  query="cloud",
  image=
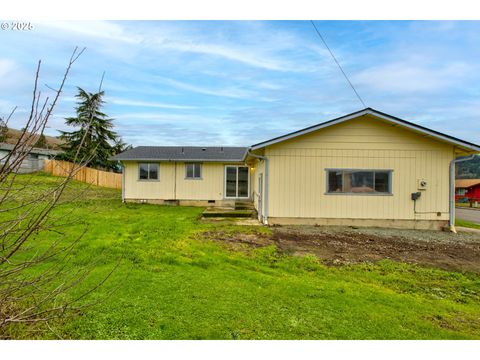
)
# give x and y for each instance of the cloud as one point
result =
(263, 52)
(165, 116)
(105, 30)
(6, 67)
(13, 77)
(412, 76)
(234, 53)
(230, 92)
(153, 104)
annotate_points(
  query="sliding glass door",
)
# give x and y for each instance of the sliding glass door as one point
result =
(236, 181)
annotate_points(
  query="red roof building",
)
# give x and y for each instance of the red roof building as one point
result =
(467, 188)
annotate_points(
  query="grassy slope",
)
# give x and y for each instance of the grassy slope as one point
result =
(171, 284)
(13, 135)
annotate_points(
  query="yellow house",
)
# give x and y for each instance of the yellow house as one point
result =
(365, 169)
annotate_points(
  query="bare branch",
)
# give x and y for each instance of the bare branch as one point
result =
(28, 212)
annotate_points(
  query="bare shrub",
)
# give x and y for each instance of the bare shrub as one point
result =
(34, 281)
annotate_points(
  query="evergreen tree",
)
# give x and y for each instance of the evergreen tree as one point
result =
(468, 169)
(96, 127)
(41, 142)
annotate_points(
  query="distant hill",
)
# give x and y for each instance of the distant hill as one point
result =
(13, 135)
(469, 169)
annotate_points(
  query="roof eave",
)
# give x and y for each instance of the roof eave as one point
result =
(182, 160)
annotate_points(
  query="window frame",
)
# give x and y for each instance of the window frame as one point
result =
(390, 181)
(200, 177)
(236, 182)
(148, 171)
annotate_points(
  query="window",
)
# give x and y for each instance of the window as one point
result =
(148, 171)
(236, 181)
(359, 181)
(193, 171)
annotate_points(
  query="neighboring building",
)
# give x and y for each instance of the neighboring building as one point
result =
(467, 188)
(34, 161)
(360, 169)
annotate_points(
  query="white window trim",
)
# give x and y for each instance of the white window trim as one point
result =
(225, 182)
(194, 177)
(390, 182)
(148, 163)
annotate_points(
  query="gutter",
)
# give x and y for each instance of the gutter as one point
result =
(265, 198)
(451, 221)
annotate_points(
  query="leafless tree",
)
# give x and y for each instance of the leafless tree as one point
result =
(34, 281)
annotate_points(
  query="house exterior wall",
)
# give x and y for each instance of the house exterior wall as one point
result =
(297, 180)
(33, 162)
(259, 168)
(172, 184)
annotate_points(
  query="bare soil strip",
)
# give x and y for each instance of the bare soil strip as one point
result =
(344, 245)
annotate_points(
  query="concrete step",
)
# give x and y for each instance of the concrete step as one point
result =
(244, 205)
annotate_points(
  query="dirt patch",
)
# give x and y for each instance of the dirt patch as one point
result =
(237, 240)
(343, 245)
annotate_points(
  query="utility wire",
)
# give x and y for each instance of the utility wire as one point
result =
(339, 66)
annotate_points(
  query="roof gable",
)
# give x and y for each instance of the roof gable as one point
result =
(369, 111)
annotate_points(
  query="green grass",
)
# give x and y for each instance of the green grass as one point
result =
(468, 224)
(172, 284)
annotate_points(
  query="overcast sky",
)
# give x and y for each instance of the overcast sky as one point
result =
(239, 83)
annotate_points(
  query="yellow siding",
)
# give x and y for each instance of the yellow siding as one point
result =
(297, 184)
(140, 189)
(259, 168)
(210, 187)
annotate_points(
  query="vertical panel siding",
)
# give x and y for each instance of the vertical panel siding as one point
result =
(298, 183)
(152, 190)
(210, 187)
(259, 168)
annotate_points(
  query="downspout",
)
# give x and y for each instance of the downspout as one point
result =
(265, 198)
(123, 183)
(175, 182)
(451, 221)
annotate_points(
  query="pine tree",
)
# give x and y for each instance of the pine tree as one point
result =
(94, 128)
(41, 142)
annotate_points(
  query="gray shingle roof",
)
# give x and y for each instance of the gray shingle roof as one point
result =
(184, 153)
(9, 147)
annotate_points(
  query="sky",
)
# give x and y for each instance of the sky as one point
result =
(242, 82)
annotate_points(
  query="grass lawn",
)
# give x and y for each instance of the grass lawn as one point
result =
(465, 223)
(172, 284)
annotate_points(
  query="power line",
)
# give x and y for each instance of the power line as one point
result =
(339, 66)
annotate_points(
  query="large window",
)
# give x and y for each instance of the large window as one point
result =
(359, 181)
(148, 171)
(193, 171)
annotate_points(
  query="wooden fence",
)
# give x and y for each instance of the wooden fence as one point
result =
(84, 174)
